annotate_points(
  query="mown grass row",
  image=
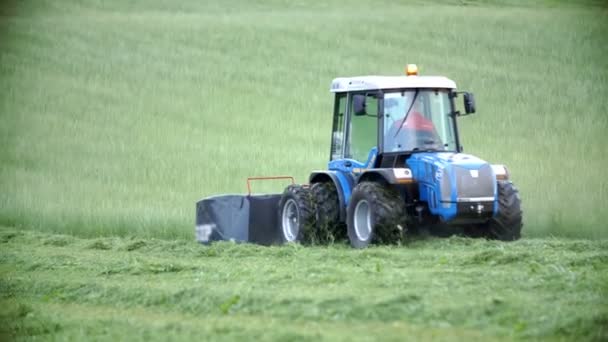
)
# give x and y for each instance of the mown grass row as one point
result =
(58, 286)
(116, 117)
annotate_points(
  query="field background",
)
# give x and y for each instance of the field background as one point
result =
(117, 116)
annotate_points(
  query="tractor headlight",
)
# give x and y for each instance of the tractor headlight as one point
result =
(403, 175)
(501, 172)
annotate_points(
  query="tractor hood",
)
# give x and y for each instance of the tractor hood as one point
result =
(444, 159)
(455, 185)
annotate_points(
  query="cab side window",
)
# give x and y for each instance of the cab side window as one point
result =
(337, 138)
(363, 126)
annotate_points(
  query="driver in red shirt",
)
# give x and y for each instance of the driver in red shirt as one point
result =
(417, 132)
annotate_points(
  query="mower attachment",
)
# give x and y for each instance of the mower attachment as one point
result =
(240, 218)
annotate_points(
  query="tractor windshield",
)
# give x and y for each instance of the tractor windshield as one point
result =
(418, 120)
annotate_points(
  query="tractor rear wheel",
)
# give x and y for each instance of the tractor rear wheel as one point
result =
(296, 214)
(507, 223)
(329, 228)
(376, 214)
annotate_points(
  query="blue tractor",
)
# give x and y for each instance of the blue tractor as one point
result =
(396, 167)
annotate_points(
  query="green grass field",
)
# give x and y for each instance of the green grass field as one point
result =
(117, 116)
(433, 289)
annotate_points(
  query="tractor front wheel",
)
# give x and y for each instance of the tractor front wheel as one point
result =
(375, 213)
(296, 213)
(507, 223)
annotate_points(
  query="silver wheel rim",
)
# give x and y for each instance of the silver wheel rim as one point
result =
(363, 220)
(289, 220)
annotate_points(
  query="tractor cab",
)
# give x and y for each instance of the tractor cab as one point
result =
(394, 116)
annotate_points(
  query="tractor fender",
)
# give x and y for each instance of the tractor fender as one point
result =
(386, 175)
(344, 184)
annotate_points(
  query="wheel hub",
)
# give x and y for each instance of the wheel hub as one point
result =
(362, 220)
(290, 220)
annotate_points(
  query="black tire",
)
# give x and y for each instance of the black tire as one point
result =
(376, 214)
(506, 225)
(327, 216)
(296, 214)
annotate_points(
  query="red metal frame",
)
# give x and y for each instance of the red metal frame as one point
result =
(249, 179)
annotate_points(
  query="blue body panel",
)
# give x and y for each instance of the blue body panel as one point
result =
(346, 167)
(428, 170)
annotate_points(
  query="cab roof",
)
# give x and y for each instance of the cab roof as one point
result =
(345, 84)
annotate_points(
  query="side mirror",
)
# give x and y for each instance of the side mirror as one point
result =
(359, 104)
(469, 103)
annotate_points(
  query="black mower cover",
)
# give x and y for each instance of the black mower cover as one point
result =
(239, 218)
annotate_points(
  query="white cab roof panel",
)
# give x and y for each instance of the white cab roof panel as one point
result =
(343, 84)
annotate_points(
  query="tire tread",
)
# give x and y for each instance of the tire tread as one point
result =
(306, 209)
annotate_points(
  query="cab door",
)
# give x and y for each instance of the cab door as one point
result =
(338, 128)
(362, 126)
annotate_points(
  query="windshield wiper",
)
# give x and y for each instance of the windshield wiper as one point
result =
(408, 112)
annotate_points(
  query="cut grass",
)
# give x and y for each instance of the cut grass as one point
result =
(439, 289)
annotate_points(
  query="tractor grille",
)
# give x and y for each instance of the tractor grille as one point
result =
(473, 187)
